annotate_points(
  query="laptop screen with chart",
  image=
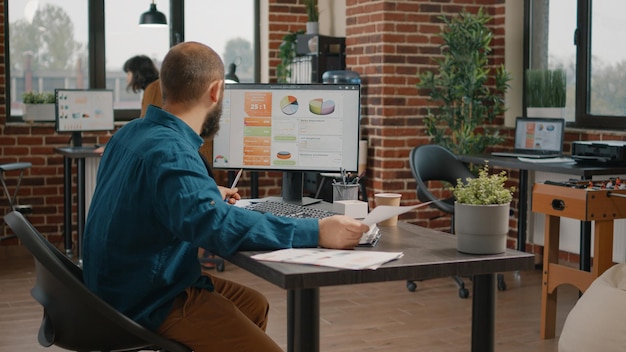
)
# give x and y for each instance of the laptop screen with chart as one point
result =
(537, 137)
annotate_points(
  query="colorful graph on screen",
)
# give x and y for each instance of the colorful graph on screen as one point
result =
(320, 106)
(289, 105)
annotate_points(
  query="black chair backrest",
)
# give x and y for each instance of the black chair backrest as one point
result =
(74, 317)
(431, 162)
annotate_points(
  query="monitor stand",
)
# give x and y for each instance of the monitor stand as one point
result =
(77, 139)
(293, 187)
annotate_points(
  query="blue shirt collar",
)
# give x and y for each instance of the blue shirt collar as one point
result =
(159, 116)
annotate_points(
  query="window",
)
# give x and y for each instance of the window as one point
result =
(84, 44)
(230, 33)
(580, 38)
(124, 39)
(47, 47)
(607, 69)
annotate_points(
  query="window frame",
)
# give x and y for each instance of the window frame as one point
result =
(97, 52)
(582, 37)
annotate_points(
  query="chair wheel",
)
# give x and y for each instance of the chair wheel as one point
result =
(411, 286)
(463, 293)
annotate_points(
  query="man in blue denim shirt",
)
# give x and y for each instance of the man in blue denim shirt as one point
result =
(155, 205)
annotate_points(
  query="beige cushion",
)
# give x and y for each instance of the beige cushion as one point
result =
(598, 320)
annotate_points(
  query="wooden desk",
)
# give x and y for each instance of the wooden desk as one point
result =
(78, 153)
(600, 206)
(428, 254)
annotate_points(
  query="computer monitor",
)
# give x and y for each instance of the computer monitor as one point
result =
(80, 110)
(293, 128)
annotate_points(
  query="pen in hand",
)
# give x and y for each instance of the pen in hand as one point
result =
(236, 179)
(229, 195)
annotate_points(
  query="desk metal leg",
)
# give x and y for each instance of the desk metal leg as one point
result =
(80, 186)
(522, 211)
(483, 312)
(67, 205)
(585, 246)
(303, 320)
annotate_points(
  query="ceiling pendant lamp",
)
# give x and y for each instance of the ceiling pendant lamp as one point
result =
(152, 17)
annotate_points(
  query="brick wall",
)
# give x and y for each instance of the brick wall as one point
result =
(388, 43)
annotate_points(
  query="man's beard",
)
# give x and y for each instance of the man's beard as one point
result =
(211, 122)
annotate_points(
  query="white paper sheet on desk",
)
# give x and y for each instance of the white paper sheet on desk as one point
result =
(336, 258)
(558, 160)
(384, 212)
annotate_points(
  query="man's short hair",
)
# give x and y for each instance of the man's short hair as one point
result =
(187, 71)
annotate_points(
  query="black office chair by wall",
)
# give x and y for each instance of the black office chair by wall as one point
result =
(433, 162)
(74, 318)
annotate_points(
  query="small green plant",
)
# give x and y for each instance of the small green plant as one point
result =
(286, 53)
(545, 88)
(38, 98)
(484, 189)
(311, 10)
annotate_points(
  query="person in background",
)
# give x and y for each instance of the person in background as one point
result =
(142, 75)
(156, 203)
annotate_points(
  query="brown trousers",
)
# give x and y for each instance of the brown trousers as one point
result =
(231, 318)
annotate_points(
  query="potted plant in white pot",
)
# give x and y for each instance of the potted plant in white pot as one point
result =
(545, 93)
(38, 106)
(481, 213)
(312, 24)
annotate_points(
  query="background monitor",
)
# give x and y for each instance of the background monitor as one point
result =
(291, 128)
(79, 110)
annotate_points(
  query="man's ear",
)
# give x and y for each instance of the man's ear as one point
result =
(216, 89)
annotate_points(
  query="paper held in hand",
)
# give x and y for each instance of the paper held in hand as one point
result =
(384, 212)
(336, 258)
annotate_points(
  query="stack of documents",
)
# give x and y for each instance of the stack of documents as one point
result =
(336, 258)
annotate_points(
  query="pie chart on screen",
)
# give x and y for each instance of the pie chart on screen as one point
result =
(320, 106)
(289, 105)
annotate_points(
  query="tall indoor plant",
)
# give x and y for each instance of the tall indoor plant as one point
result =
(466, 94)
(481, 213)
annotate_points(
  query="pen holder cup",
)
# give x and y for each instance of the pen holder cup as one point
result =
(345, 191)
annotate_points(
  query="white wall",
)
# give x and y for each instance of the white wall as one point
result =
(513, 56)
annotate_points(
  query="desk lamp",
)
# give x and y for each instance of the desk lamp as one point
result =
(230, 76)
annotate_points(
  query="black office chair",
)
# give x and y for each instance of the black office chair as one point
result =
(75, 318)
(433, 162)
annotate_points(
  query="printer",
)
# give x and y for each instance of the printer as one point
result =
(599, 151)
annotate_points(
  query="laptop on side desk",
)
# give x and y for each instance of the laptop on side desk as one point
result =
(537, 138)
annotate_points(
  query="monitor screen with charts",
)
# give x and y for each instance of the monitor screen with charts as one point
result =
(80, 110)
(293, 128)
(537, 137)
(289, 127)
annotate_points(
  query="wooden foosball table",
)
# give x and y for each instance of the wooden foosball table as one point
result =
(600, 202)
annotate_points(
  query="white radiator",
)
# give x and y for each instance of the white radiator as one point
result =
(570, 228)
(91, 170)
